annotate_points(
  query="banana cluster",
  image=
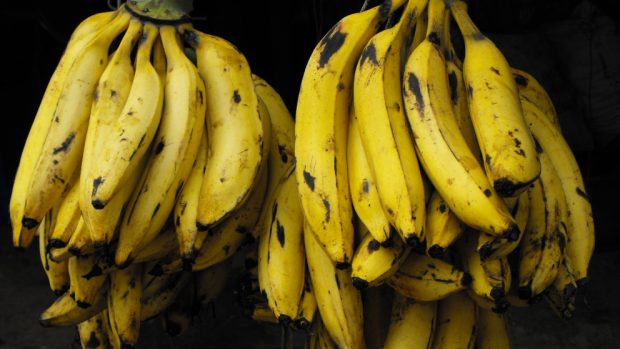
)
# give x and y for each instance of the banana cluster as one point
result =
(422, 189)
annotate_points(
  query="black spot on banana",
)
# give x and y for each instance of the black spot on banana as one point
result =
(520, 80)
(582, 193)
(434, 38)
(453, 87)
(331, 43)
(373, 245)
(93, 341)
(159, 147)
(64, 146)
(236, 97)
(309, 179)
(369, 54)
(414, 87)
(328, 211)
(280, 233)
(283, 154)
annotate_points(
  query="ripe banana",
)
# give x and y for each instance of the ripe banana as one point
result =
(364, 195)
(307, 306)
(580, 223)
(505, 142)
(427, 279)
(383, 128)
(456, 323)
(82, 35)
(92, 332)
(490, 246)
(173, 154)
(124, 303)
(373, 263)
(443, 152)
(62, 150)
(68, 215)
(339, 302)
(159, 294)
(132, 132)
(412, 324)
(237, 147)
(110, 97)
(531, 90)
(66, 312)
(321, 130)
(443, 228)
(85, 288)
(57, 272)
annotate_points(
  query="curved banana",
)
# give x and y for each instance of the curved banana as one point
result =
(57, 272)
(80, 243)
(456, 323)
(562, 293)
(427, 279)
(61, 153)
(236, 131)
(174, 151)
(373, 263)
(505, 141)
(124, 303)
(307, 306)
(111, 94)
(66, 312)
(186, 207)
(442, 149)
(492, 330)
(362, 185)
(132, 132)
(412, 324)
(339, 302)
(383, 128)
(321, 130)
(92, 332)
(67, 217)
(84, 288)
(162, 293)
(531, 90)
(580, 223)
(82, 35)
(443, 228)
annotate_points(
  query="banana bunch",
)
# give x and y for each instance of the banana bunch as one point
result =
(415, 186)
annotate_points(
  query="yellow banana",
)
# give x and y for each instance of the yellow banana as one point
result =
(67, 217)
(22, 236)
(132, 132)
(307, 306)
(319, 337)
(66, 312)
(158, 295)
(427, 279)
(84, 288)
(456, 323)
(442, 149)
(492, 330)
(362, 185)
(124, 303)
(443, 228)
(373, 263)
(92, 332)
(57, 272)
(505, 141)
(321, 130)
(580, 223)
(531, 90)
(61, 153)
(174, 151)
(412, 324)
(383, 128)
(236, 132)
(339, 302)
(561, 294)
(80, 243)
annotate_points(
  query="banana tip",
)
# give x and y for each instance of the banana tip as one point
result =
(343, 265)
(436, 251)
(512, 233)
(45, 322)
(582, 282)
(360, 284)
(98, 204)
(388, 243)
(285, 320)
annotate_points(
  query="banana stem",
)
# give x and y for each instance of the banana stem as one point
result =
(162, 10)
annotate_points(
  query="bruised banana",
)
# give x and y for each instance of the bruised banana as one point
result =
(321, 130)
(93, 333)
(84, 288)
(124, 303)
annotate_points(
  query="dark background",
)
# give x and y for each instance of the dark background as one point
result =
(277, 37)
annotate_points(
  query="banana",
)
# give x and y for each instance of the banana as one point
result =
(261, 312)
(284, 237)
(321, 130)
(174, 151)
(161, 293)
(307, 306)
(61, 153)
(57, 272)
(66, 312)
(499, 246)
(363, 189)
(339, 302)
(373, 263)
(163, 245)
(541, 249)
(427, 279)
(319, 337)
(132, 132)
(124, 303)
(178, 317)
(580, 223)
(456, 323)
(378, 307)
(67, 217)
(490, 277)
(492, 330)
(442, 149)
(412, 324)
(383, 128)
(186, 207)
(82, 35)
(499, 307)
(211, 282)
(80, 243)
(561, 294)
(419, 33)
(531, 90)
(505, 141)
(110, 97)
(92, 332)
(443, 228)
(84, 288)
(236, 131)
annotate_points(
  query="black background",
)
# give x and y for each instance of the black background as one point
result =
(276, 36)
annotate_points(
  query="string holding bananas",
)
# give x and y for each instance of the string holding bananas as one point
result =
(440, 182)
